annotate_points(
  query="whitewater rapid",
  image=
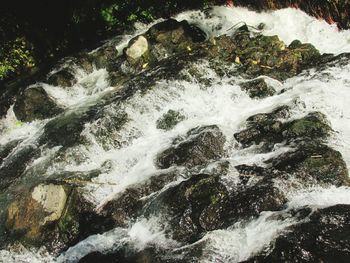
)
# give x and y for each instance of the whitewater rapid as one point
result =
(222, 103)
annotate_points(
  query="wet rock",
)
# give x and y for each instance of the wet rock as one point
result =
(12, 168)
(34, 103)
(30, 213)
(54, 215)
(313, 161)
(7, 148)
(62, 78)
(313, 126)
(137, 50)
(185, 202)
(222, 47)
(105, 56)
(203, 203)
(127, 255)
(200, 145)
(268, 129)
(324, 238)
(173, 31)
(245, 203)
(162, 41)
(128, 205)
(257, 55)
(263, 128)
(258, 88)
(169, 120)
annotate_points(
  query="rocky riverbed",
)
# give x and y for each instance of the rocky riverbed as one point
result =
(197, 139)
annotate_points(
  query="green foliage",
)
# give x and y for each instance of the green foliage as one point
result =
(108, 14)
(15, 56)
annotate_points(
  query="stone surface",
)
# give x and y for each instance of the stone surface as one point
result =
(200, 145)
(34, 103)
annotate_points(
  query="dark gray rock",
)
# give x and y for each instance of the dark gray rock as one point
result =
(201, 145)
(324, 238)
(34, 103)
(258, 88)
(63, 78)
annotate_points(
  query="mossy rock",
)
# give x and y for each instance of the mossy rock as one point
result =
(313, 126)
(169, 120)
(314, 162)
(258, 88)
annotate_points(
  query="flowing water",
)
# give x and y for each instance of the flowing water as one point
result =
(130, 161)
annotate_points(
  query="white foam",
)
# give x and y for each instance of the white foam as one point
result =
(318, 197)
(145, 232)
(240, 242)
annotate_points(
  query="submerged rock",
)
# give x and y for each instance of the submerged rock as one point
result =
(34, 103)
(324, 238)
(200, 145)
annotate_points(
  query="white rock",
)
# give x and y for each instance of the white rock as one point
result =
(137, 49)
(53, 199)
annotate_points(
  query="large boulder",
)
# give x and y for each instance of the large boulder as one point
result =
(200, 145)
(34, 103)
(54, 215)
(31, 212)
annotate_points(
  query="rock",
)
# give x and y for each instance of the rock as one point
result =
(62, 78)
(7, 148)
(105, 56)
(257, 55)
(184, 203)
(263, 128)
(125, 255)
(34, 103)
(244, 203)
(200, 145)
(323, 238)
(128, 204)
(32, 212)
(306, 52)
(169, 120)
(313, 126)
(258, 88)
(54, 215)
(137, 49)
(161, 41)
(269, 130)
(313, 161)
(173, 31)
